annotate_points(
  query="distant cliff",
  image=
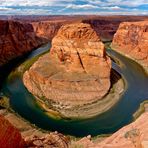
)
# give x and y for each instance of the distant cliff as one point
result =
(131, 39)
(16, 39)
(104, 28)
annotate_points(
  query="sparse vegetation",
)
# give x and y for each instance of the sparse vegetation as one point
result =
(4, 102)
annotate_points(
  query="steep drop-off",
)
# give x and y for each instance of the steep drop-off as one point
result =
(9, 136)
(131, 39)
(16, 39)
(76, 72)
(48, 29)
(134, 135)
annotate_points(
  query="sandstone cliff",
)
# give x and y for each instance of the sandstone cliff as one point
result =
(76, 72)
(16, 39)
(104, 28)
(134, 135)
(9, 136)
(47, 29)
(131, 40)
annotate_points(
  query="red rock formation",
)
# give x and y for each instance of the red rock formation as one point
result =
(76, 72)
(131, 40)
(52, 140)
(134, 135)
(105, 26)
(47, 29)
(9, 136)
(16, 39)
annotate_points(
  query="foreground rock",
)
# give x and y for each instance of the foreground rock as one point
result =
(51, 140)
(16, 39)
(75, 73)
(131, 40)
(9, 136)
(134, 135)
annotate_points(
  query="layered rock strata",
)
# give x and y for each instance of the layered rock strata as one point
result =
(76, 72)
(52, 140)
(9, 136)
(16, 39)
(131, 39)
(134, 135)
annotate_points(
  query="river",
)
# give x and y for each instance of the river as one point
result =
(119, 115)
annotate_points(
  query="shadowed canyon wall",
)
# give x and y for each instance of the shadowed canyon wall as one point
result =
(16, 39)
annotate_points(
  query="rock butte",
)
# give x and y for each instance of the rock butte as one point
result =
(131, 39)
(75, 72)
(16, 39)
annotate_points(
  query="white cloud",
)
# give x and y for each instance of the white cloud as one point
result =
(112, 8)
(5, 9)
(129, 3)
(87, 6)
(102, 6)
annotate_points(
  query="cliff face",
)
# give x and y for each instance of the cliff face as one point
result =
(16, 39)
(9, 136)
(74, 73)
(131, 40)
(48, 29)
(104, 28)
(134, 135)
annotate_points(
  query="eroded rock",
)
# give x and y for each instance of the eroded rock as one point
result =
(76, 72)
(9, 135)
(131, 40)
(134, 135)
(16, 39)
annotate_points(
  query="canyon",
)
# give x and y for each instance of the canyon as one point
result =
(105, 26)
(131, 39)
(78, 72)
(77, 63)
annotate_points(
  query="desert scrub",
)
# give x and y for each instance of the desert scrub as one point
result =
(4, 102)
(140, 110)
(134, 136)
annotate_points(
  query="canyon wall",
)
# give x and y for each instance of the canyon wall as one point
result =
(131, 39)
(16, 39)
(134, 135)
(9, 136)
(48, 29)
(105, 26)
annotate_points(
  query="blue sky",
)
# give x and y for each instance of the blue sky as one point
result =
(55, 7)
